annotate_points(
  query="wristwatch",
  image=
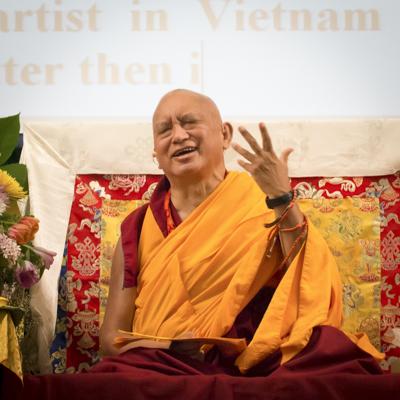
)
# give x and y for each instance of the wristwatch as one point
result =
(280, 201)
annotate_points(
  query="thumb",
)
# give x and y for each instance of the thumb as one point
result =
(285, 155)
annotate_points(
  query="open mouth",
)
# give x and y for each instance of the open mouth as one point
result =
(184, 151)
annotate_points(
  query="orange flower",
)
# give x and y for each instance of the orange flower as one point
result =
(24, 231)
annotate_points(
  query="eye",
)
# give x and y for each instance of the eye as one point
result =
(189, 123)
(164, 129)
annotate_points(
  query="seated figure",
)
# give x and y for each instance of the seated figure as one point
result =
(206, 260)
(220, 286)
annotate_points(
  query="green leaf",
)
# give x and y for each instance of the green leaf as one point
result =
(9, 131)
(19, 172)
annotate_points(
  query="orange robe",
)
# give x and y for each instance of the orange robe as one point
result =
(200, 277)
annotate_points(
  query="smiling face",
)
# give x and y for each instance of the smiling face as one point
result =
(189, 136)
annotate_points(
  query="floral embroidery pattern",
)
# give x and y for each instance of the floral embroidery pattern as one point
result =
(87, 261)
(81, 299)
(387, 190)
(128, 183)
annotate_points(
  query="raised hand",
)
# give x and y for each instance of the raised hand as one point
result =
(269, 171)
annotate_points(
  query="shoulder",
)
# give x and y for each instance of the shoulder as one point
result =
(134, 217)
(156, 199)
(130, 233)
(131, 227)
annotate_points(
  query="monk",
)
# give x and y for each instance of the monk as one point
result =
(219, 256)
(189, 143)
(220, 287)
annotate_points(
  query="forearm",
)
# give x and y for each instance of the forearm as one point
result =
(291, 239)
(106, 343)
(120, 308)
(290, 226)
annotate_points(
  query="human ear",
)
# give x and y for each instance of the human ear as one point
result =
(155, 160)
(227, 132)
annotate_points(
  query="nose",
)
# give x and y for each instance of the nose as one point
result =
(179, 134)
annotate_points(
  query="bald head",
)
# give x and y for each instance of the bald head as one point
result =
(196, 101)
(187, 92)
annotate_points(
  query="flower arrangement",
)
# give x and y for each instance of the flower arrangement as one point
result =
(21, 263)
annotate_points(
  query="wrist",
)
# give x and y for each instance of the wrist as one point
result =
(280, 200)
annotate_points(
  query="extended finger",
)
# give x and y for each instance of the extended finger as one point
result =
(250, 140)
(245, 153)
(267, 143)
(247, 166)
(285, 154)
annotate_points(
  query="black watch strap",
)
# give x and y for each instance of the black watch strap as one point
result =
(280, 201)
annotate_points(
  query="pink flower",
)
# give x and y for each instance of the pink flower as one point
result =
(9, 249)
(46, 255)
(27, 274)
